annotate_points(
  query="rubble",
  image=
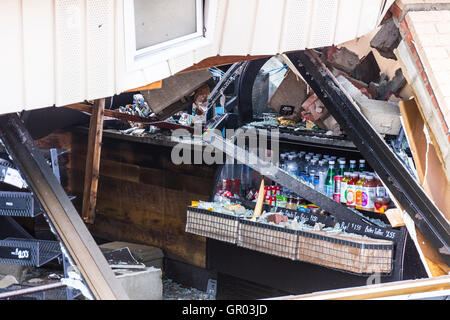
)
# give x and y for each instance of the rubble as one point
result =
(175, 291)
(386, 40)
(384, 116)
(367, 70)
(341, 58)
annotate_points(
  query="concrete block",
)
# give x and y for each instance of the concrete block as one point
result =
(7, 281)
(141, 284)
(384, 116)
(18, 272)
(148, 255)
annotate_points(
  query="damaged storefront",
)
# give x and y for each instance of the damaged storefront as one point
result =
(305, 174)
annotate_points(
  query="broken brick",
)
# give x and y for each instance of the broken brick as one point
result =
(386, 40)
(277, 218)
(367, 70)
(340, 58)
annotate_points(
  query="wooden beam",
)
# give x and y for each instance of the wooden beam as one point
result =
(62, 215)
(92, 171)
(110, 113)
(377, 291)
(132, 118)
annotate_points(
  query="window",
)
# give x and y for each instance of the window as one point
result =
(160, 29)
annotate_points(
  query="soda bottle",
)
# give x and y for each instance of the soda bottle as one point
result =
(351, 190)
(359, 191)
(337, 181)
(344, 187)
(362, 165)
(329, 181)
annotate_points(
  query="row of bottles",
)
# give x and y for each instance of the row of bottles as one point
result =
(350, 185)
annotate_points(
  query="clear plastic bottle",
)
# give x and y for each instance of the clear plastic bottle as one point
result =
(304, 170)
(291, 165)
(362, 165)
(322, 172)
(312, 169)
(352, 167)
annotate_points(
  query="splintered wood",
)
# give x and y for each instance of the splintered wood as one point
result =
(274, 241)
(345, 252)
(212, 225)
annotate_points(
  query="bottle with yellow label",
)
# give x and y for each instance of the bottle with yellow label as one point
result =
(359, 191)
(344, 187)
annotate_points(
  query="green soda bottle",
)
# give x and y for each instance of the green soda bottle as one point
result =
(329, 181)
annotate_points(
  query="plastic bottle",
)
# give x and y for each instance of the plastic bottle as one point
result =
(291, 165)
(304, 169)
(329, 182)
(351, 190)
(283, 158)
(359, 191)
(338, 181)
(344, 187)
(380, 189)
(300, 161)
(352, 167)
(322, 172)
(312, 168)
(362, 165)
(369, 193)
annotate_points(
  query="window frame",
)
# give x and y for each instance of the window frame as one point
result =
(139, 58)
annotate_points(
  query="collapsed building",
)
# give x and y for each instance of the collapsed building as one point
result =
(97, 107)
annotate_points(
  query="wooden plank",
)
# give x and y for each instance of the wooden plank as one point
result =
(60, 211)
(431, 175)
(92, 171)
(383, 290)
(151, 86)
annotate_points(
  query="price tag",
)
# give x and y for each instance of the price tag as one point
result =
(12, 177)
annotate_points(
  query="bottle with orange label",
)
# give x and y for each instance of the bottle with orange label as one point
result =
(359, 191)
(351, 190)
(344, 187)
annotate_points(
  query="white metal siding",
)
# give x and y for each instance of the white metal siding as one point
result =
(57, 52)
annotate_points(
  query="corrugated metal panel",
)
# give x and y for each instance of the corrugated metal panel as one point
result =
(100, 48)
(38, 40)
(11, 63)
(65, 51)
(267, 27)
(296, 25)
(70, 51)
